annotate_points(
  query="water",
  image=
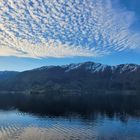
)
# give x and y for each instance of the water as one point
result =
(83, 117)
(15, 125)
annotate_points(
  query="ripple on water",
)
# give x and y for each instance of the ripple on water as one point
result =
(20, 126)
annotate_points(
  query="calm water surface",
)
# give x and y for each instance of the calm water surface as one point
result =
(15, 125)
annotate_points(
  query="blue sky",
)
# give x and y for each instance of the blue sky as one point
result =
(38, 32)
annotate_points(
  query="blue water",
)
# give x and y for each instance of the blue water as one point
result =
(15, 125)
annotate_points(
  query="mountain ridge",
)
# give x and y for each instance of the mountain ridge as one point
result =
(75, 78)
(88, 62)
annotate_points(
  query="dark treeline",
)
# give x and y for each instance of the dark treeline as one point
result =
(57, 104)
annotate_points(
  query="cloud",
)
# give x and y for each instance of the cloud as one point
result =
(59, 28)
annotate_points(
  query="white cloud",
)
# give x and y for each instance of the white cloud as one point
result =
(56, 28)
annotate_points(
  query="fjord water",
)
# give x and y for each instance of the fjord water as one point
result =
(15, 125)
(51, 117)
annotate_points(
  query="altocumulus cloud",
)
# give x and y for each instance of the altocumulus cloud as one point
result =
(61, 28)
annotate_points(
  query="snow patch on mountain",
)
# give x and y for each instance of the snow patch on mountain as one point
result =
(71, 67)
(129, 68)
(95, 67)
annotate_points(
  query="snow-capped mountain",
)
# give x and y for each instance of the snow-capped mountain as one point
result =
(85, 77)
(97, 67)
(94, 67)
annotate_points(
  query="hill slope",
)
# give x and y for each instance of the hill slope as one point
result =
(83, 77)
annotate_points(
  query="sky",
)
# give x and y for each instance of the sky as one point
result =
(34, 33)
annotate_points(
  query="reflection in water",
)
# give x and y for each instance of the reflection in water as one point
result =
(82, 117)
(21, 126)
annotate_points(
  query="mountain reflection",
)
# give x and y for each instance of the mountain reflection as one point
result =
(82, 117)
(84, 104)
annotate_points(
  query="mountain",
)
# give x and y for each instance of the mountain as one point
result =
(4, 75)
(85, 77)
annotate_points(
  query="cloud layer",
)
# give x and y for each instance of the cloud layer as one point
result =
(60, 28)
